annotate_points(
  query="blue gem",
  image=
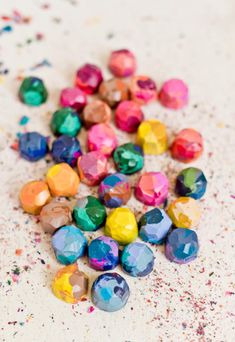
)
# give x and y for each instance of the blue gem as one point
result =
(191, 182)
(33, 146)
(66, 149)
(154, 226)
(182, 245)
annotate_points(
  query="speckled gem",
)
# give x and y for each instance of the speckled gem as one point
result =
(110, 292)
(103, 253)
(89, 214)
(137, 259)
(74, 98)
(66, 149)
(143, 89)
(152, 188)
(128, 116)
(33, 196)
(114, 190)
(101, 137)
(62, 180)
(113, 91)
(33, 91)
(191, 182)
(122, 63)
(70, 284)
(96, 112)
(154, 226)
(121, 226)
(65, 121)
(88, 78)
(187, 146)
(152, 137)
(33, 146)
(69, 244)
(184, 212)
(182, 246)
(128, 158)
(174, 94)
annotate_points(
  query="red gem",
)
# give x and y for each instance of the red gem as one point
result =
(128, 116)
(89, 78)
(73, 97)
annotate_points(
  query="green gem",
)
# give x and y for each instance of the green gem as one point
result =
(89, 214)
(65, 121)
(128, 158)
(33, 91)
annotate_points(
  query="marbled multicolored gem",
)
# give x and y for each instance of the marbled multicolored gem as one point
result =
(96, 112)
(122, 63)
(128, 158)
(73, 98)
(191, 182)
(33, 146)
(113, 91)
(110, 292)
(33, 91)
(184, 212)
(101, 137)
(65, 121)
(66, 149)
(128, 116)
(143, 89)
(174, 94)
(88, 78)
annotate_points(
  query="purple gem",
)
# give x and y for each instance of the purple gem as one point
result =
(66, 149)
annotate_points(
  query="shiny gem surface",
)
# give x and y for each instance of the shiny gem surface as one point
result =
(101, 137)
(113, 91)
(65, 121)
(122, 63)
(143, 89)
(96, 112)
(184, 212)
(128, 158)
(88, 78)
(66, 149)
(74, 98)
(191, 182)
(174, 94)
(33, 91)
(128, 116)
(33, 146)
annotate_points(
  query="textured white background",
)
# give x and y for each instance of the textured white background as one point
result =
(192, 40)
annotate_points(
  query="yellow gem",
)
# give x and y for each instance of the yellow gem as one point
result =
(184, 212)
(121, 226)
(152, 137)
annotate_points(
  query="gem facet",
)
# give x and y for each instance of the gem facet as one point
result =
(191, 182)
(103, 253)
(152, 137)
(33, 91)
(128, 116)
(69, 244)
(174, 94)
(96, 112)
(114, 190)
(88, 78)
(122, 63)
(121, 226)
(62, 180)
(182, 246)
(184, 212)
(187, 146)
(110, 292)
(154, 226)
(74, 98)
(65, 121)
(66, 149)
(32, 146)
(113, 91)
(143, 89)
(128, 158)
(89, 214)
(101, 137)
(70, 284)
(152, 188)
(137, 259)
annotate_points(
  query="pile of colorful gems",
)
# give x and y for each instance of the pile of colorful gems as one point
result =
(68, 221)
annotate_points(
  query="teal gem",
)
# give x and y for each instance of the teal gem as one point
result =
(191, 182)
(65, 121)
(128, 158)
(33, 91)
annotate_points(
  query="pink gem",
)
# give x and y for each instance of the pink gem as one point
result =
(92, 167)
(89, 78)
(174, 94)
(128, 116)
(73, 97)
(122, 63)
(101, 137)
(152, 188)
(143, 89)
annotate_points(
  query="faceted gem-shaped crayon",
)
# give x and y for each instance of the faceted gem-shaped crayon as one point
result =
(152, 188)
(152, 137)
(33, 91)
(110, 292)
(121, 226)
(184, 212)
(182, 246)
(74, 98)
(114, 190)
(154, 226)
(69, 244)
(191, 182)
(113, 91)
(122, 63)
(187, 146)
(62, 180)
(65, 121)
(55, 214)
(33, 196)
(70, 284)
(137, 259)
(92, 167)
(101, 137)
(66, 149)
(103, 253)
(89, 214)
(143, 89)
(33, 146)
(96, 112)
(128, 158)
(174, 94)
(128, 116)
(88, 78)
